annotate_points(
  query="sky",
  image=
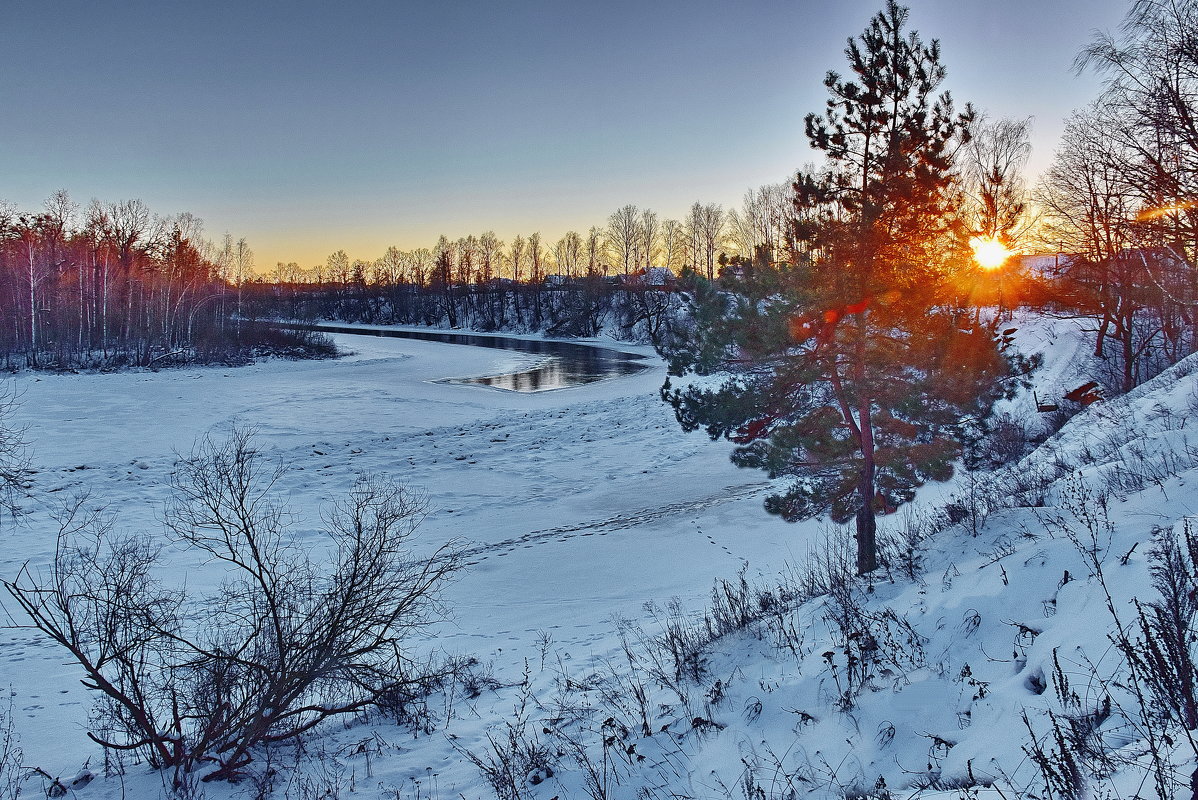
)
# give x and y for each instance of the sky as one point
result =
(308, 127)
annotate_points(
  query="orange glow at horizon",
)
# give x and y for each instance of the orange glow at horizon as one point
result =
(989, 252)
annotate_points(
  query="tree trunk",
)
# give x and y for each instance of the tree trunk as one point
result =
(867, 525)
(33, 344)
(1102, 329)
(1127, 342)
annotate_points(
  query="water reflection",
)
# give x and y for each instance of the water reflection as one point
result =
(557, 373)
(566, 364)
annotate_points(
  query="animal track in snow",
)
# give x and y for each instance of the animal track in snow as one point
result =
(619, 522)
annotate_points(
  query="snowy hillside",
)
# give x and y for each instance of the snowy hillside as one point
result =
(594, 660)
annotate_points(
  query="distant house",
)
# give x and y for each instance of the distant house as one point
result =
(652, 278)
(1045, 264)
(558, 280)
(1051, 265)
(1155, 258)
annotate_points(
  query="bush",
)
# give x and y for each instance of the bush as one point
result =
(10, 756)
(1000, 440)
(289, 639)
(14, 465)
(238, 343)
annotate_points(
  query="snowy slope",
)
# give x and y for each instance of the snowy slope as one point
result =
(917, 685)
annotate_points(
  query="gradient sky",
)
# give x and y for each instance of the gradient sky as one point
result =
(310, 127)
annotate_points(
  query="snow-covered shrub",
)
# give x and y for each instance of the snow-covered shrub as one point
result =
(868, 643)
(10, 756)
(289, 639)
(14, 464)
(1000, 440)
(517, 758)
(1161, 652)
(901, 546)
(830, 565)
(1163, 656)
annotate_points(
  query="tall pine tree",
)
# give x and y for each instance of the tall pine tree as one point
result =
(853, 369)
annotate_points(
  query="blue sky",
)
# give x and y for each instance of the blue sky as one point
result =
(309, 127)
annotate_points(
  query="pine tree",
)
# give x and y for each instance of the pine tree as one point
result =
(852, 371)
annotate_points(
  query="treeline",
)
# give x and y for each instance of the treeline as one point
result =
(637, 309)
(114, 285)
(620, 277)
(631, 240)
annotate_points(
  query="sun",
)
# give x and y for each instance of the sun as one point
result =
(989, 252)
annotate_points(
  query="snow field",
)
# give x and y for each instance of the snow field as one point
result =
(571, 506)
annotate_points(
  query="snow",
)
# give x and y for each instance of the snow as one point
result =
(583, 513)
(574, 505)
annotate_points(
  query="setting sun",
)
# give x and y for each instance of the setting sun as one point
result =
(990, 253)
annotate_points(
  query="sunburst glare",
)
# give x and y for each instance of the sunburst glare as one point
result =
(989, 252)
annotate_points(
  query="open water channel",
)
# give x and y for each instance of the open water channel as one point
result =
(564, 364)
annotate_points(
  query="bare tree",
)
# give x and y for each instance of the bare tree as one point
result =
(623, 234)
(1152, 88)
(536, 258)
(290, 639)
(336, 267)
(490, 248)
(420, 266)
(995, 203)
(650, 231)
(517, 252)
(468, 257)
(705, 227)
(1089, 212)
(388, 269)
(127, 228)
(762, 222)
(442, 278)
(673, 245)
(37, 270)
(243, 268)
(568, 252)
(596, 251)
(1151, 94)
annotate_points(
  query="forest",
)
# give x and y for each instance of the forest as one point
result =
(116, 286)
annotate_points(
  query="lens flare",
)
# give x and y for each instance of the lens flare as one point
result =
(990, 253)
(1160, 211)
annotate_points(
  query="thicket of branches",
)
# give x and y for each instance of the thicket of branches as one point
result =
(292, 637)
(1118, 201)
(14, 462)
(583, 307)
